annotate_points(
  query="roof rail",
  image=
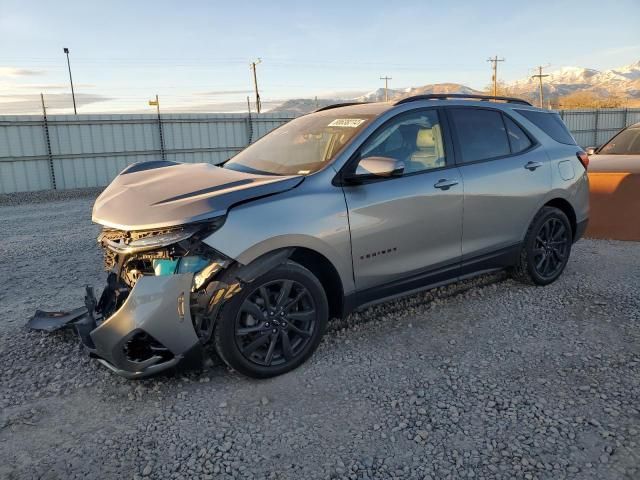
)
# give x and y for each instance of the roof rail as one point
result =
(338, 105)
(447, 96)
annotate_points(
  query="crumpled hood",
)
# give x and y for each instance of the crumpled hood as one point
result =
(159, 194)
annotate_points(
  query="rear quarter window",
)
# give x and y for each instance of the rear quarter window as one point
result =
(551, 124)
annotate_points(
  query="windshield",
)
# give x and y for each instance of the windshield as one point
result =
(300, 147)
(626, 142)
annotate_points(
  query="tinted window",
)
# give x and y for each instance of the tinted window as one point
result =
(517, 138)
(626, 142)
(481, 133)
(414, 138)
(551, 124)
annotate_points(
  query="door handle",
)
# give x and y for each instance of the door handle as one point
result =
(444, 184)
(531, 166)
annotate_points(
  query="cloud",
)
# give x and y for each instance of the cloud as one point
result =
(44, 87)
(61, 103)
(224, 92)
(18, 72)
(30, 104)
(227, 107)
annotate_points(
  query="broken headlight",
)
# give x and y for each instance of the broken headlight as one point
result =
(151, 242)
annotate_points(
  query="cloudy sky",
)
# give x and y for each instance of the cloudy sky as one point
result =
(195, 54)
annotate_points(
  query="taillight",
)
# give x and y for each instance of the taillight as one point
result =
(584, 158)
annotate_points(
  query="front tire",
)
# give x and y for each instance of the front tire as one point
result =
(274, 323)
(546, 248)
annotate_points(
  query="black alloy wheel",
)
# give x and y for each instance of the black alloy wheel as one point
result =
(552, 245)
(274, 323)
(546, 248)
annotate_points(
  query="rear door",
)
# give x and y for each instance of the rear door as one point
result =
(406, 230)
(506, 176)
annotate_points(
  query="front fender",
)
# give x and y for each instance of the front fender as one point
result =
(303, 217)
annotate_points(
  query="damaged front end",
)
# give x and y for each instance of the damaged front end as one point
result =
(159, 305)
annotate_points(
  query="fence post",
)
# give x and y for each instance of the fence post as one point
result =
(626, 117)
(45, 125)
(156, 102)
(249, 124)
(595, 128)
(162, 152)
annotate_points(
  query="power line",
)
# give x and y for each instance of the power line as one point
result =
(494, 64)
(386, 87)
(540, 76)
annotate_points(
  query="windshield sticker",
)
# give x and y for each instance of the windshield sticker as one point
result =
(347, 122)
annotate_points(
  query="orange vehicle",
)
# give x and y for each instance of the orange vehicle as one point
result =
(614, 178)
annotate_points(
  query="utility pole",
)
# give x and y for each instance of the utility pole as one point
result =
(386, 87)
(540, 76)
(494, 64)
(255, 84)
(73, 95)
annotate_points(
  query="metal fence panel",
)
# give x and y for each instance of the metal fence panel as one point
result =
(591, 128)
(90, 150)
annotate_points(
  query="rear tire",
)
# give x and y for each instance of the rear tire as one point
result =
(546, 248)
(274, 323)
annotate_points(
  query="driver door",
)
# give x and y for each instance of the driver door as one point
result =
(406, 230)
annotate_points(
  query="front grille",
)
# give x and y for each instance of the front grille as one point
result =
(110, 258)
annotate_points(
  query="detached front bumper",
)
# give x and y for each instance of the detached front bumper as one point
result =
(152, 331)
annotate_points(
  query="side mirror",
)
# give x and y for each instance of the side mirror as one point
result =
(376, 167)
(591, 150)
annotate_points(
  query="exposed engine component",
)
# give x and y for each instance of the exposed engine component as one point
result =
(163, 294)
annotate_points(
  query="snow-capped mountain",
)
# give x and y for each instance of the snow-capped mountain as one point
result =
(305, 105)
(396, 94)
(621, 82)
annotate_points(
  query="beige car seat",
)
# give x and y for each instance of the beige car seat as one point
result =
(428, 152)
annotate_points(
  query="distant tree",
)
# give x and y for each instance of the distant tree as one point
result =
(501, 91)
(589, 100)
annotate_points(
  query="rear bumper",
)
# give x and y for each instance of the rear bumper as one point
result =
(581, 227)
(152, 331)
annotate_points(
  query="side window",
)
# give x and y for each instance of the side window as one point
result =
(480, 132)
(414, 138)
(517, 138)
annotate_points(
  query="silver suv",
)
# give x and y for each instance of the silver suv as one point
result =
(336, 210)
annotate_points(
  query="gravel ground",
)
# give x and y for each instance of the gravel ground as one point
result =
(483, 379)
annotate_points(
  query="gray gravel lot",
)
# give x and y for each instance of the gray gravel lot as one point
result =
(483, 379)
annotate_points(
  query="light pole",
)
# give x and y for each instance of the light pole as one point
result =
(73, 95)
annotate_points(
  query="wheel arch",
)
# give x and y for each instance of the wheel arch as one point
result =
(314, 261)
(328, 276)
(566, 207)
